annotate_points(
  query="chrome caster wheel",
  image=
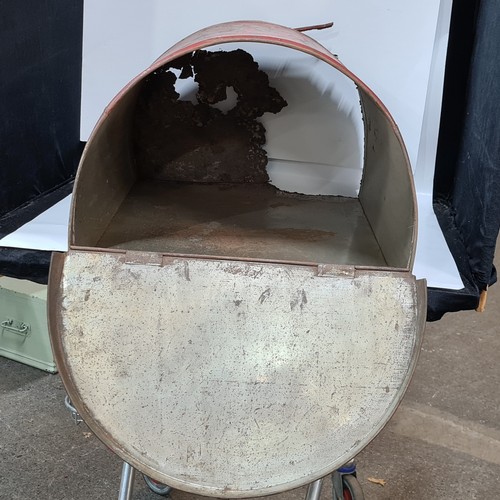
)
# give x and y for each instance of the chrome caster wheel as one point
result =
(351, 488)
(156, 487)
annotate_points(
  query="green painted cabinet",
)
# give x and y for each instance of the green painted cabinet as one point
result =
(24, 334)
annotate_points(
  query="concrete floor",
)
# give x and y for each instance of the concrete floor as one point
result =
(443, 442)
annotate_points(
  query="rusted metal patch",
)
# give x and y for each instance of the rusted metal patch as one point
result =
(180, 141)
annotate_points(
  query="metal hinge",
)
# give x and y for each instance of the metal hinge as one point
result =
(336, 271)
(133, 257)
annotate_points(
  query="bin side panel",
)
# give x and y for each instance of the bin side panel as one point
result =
(387, 193)
(106, 173)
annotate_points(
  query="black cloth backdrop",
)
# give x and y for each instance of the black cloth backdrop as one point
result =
(467, 177)
(40, 71)
(40, 75)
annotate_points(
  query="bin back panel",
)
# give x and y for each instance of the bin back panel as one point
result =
(232, 379)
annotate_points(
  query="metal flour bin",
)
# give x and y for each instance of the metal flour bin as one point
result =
(223, 337)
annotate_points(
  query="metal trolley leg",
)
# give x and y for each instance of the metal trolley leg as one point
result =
(128, 472)
(314, 490)
(126, 482)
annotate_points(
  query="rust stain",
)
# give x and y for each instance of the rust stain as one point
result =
(300, 300)
(186, 271)
(279, 204)
(244, 270)
(232, 235)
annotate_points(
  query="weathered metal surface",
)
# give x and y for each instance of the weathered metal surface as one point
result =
(385, 192)
(109, 175)
(232, 379)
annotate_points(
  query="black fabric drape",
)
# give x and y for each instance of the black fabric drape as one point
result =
(40, 75)
(40, 86)
(467, 178)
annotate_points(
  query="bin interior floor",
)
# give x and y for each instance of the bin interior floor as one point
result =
(243, 221)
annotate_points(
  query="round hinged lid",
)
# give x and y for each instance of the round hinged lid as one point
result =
(232, 379)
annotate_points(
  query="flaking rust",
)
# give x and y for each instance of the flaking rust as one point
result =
(177, 140)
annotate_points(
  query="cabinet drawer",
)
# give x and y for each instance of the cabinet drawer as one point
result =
(24, 334)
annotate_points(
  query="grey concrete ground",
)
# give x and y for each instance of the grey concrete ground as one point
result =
(443, 442)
